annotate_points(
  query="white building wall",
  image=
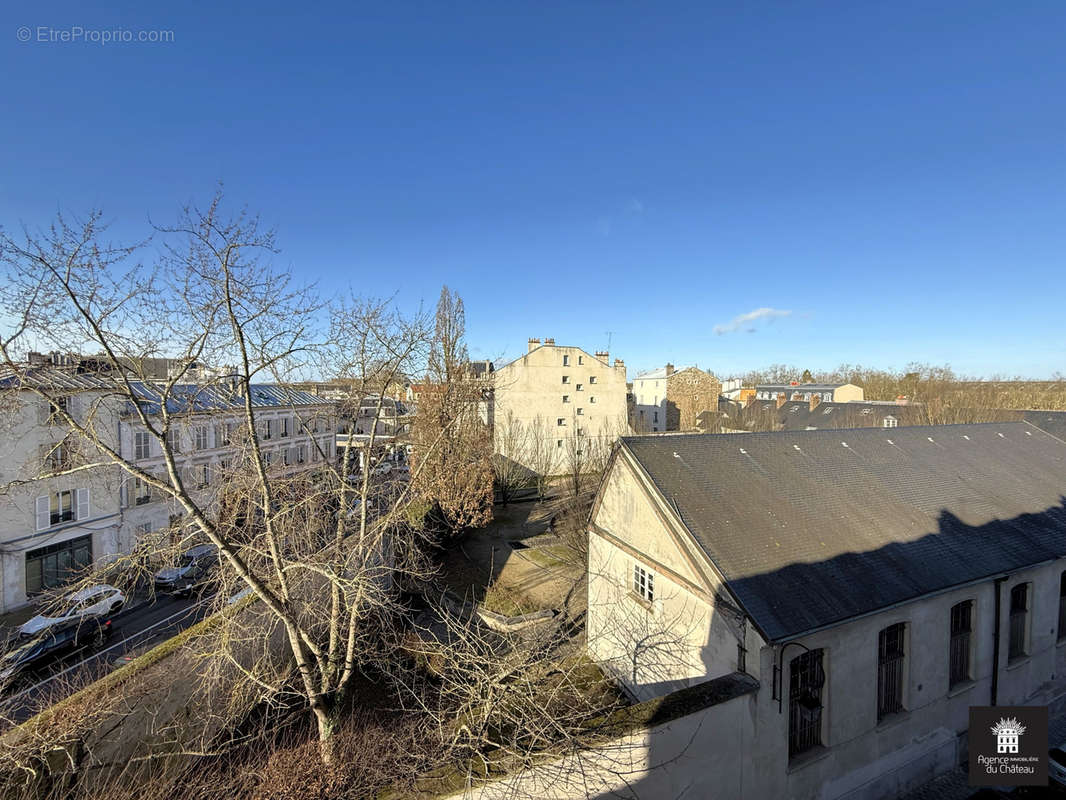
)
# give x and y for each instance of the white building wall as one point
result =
(25, 431)
(531, 390)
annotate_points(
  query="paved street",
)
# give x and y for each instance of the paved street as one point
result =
(135, 630)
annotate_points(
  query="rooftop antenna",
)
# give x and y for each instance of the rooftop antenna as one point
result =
(609, 334)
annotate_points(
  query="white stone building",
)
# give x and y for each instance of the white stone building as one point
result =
(52, 526)
(564, 400)
(875, 583)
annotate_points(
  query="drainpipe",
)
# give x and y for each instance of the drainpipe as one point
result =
(995, 640)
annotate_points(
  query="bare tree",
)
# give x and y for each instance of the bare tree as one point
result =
(306, 543)
(450, 436)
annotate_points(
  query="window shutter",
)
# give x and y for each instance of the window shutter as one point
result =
(43, 512)
(124, 491)
(83, 504)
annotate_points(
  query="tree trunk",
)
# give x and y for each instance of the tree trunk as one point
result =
(327, 725)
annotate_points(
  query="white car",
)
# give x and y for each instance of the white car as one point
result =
(94, 601)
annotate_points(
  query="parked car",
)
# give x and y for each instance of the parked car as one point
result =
(192, 571)
(1056, 766)
(33, 652)
(95, 601)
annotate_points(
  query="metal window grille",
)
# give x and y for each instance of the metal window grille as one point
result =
(959, 655)
(806, 679)
(1019, 617)
(890, 663)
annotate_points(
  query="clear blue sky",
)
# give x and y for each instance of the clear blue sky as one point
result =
(891, 174)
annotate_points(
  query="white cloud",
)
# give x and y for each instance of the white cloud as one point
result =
(746, 321)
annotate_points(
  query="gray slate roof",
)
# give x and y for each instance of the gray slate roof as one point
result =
(189, 397)
(809, 532)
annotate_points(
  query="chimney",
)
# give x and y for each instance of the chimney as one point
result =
(549, 343)
(604, 356)
(781, 399)
(533, 345)
(815, 400)
(669, 370)
(620, 364)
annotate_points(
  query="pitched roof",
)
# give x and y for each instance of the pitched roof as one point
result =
(189, 397)
(811, 528)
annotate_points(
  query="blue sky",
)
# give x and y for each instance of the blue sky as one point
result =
(890, 174)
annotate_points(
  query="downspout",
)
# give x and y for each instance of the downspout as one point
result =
(995, 641)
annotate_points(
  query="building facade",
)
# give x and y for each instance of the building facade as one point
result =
(556, 403)
(857, 575)
(55, 522)
(826, 392)
(668, 399)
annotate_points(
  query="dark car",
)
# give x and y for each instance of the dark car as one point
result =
(31, 653)
(191, 572)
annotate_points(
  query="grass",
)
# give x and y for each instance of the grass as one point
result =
(506, 601)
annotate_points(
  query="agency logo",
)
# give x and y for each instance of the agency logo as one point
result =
(1007, 733)
(1008, 745)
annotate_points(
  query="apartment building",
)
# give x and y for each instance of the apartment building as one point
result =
(876, 583)
(53, 524)
(296, 432)
(668, 399)
(563, 401)
(827, 392)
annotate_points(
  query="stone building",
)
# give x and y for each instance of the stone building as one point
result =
(555, 404)
(875, 583)
(666, 399)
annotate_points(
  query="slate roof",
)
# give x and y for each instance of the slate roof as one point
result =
(189, 397)
(811, 528)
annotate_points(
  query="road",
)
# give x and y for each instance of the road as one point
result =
(134, 631)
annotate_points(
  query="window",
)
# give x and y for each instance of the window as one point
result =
(561, 422)
(286, 456)
(268, 432)
(959, 654)
(643, 583)
(890, 668)
(566, 398)
(54, 565)
(592, 378)
(656, 417)
(301, 454)
(61, 507)
(580, 387)
(558, 442)
(890, 422)
(866, 411)
(592, 399)
(222, 435)
(200, 437)
(142, 447)
(144, 528)
(566, 379)
(806, 677)
(580, 411)
(1018, 646)
(1062, 607)
(268, 457)
(57, 457)
(285, 428)
(173, 438)
(580, 359)
(566, 361)
(203, 476)
(56, 406)
(142, 492)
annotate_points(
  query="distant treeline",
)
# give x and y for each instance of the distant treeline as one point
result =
(929, 383)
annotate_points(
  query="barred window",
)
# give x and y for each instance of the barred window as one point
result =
(1018, 646)
(890, 668)
(805, 682)
(959, 650)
